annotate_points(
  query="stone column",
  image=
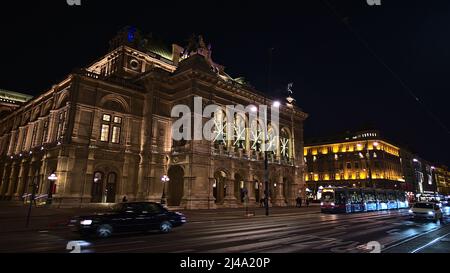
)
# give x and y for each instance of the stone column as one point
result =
(12, 181)
(230, 200)
(279, 198)
(5, 180)
(211, 199)
(250, 186)
(22, 183)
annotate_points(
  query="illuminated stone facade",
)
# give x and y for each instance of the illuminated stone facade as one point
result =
(442, 176)
(106, 133)
(348, 160)
(11, 101)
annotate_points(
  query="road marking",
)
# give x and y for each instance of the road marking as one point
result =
(429, 244)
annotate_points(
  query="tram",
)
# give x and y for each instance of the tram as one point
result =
(351, 200)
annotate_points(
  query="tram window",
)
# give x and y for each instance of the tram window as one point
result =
(391, 196)
(327, 196)
(381, 197)
(340, 198)
(355, 197)
(369, 196)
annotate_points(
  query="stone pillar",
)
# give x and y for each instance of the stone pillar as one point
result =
(250, 186)
(211, 199)
(5, 180)
(65, 165)
(12, 181)
(279, 198)
(22, 183)
(230, 200)
(297, 186)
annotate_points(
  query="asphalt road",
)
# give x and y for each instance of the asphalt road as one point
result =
(286, 230)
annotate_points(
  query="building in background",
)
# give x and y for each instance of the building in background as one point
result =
(360, 159)
(11, 101)
(442, 177)
(105, 132)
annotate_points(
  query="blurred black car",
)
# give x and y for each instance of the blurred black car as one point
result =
(129, 217)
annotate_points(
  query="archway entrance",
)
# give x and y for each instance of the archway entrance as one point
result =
(175, 185)
(110, 191)
(104, 187)
(219, 186)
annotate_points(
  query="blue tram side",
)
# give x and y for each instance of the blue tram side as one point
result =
(350, 200)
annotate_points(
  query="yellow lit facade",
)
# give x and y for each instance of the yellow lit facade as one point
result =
(345, 162)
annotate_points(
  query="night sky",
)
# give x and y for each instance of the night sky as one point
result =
(353, 65)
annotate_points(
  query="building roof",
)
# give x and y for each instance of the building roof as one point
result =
(14, 97)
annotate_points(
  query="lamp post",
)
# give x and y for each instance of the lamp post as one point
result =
(34, 186)
(52, 178)
(164, 179)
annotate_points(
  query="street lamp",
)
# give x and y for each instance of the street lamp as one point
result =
(164, 179)
(52, 178)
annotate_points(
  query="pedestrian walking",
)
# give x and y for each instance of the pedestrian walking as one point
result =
(124, 199)
(307, 202)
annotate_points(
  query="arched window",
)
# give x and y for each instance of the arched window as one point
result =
(285, 144)
(271, 140)
(256, 136)
(220, 128)
(239, 131)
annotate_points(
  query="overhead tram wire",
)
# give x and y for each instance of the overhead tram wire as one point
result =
(383, 63)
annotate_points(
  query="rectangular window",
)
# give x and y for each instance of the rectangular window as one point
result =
(118, 120)
(356, 165)
(34, 135)
(107, 118)
(61, 125)
(105, 133)
(24, 138)
(115, 135)
(349, 165)
(45, 132)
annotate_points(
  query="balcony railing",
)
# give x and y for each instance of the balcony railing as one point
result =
(111, 79)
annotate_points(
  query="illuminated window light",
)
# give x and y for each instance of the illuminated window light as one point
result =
(335, 149)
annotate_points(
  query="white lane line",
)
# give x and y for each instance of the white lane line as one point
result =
(410, 238)
(429, 244)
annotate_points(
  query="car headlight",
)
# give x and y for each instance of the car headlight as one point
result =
(332, 204)
(410, 211)
(86, 222)
(321, 203)
(430, 213)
